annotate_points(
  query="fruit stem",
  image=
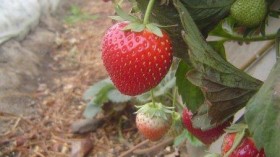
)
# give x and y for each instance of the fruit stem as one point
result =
(277, 45)
(153, 98)
(174, 97)
(170, 97)
(148, 12)
(231, 37)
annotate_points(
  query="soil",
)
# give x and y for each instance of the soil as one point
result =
(56, 105)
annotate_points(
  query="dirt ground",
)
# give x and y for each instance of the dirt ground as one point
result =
(73, 64)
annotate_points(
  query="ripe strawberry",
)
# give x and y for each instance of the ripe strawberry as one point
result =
(135, 61)
(205, 136)
(246, 147)
(153, 120)
(249, 13)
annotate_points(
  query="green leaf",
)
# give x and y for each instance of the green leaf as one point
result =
(207, 13)
(226, 88)
(96, 88)
(116, 96)
(101, 97)
(218, 46)
(192, 139)
(180, 139)
(263, 114)
(224, 29)
(185, 135)
(97, 95)
(191, 94)
(154, 29)
(91, 110)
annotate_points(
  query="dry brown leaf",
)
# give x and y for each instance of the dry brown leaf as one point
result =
(81, 148)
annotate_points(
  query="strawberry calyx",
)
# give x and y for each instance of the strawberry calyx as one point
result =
(135, 24)
(240, 130)
(155, 109)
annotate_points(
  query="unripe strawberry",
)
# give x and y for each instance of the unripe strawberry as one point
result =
(249, 13)
(153, 120)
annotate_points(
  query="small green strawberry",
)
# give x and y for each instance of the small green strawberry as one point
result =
(249, 13)
(153, 120)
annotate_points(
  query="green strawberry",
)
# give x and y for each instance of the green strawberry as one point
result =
(249, 13)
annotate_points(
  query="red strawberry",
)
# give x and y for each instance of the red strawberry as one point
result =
(153, 120)
(205, 136)
(135, 61)
(246, 147)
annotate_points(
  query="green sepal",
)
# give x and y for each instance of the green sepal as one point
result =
(237, 140)
(236, 128)
(135, 24)
(135, 27)
(154, 29)
(117, 18)
(155, 110)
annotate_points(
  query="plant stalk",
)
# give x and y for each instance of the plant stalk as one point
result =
(249, 39)
(277, 45)
(174, 97)
(148, 11)
(153, 97)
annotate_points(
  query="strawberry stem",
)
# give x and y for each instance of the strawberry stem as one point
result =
(174, 97)
(277, 44)
(153, 98)
(148, 11)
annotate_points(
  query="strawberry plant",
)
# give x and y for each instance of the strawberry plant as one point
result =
(138, 50)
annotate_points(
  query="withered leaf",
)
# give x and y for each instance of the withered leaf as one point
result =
(81, 148)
